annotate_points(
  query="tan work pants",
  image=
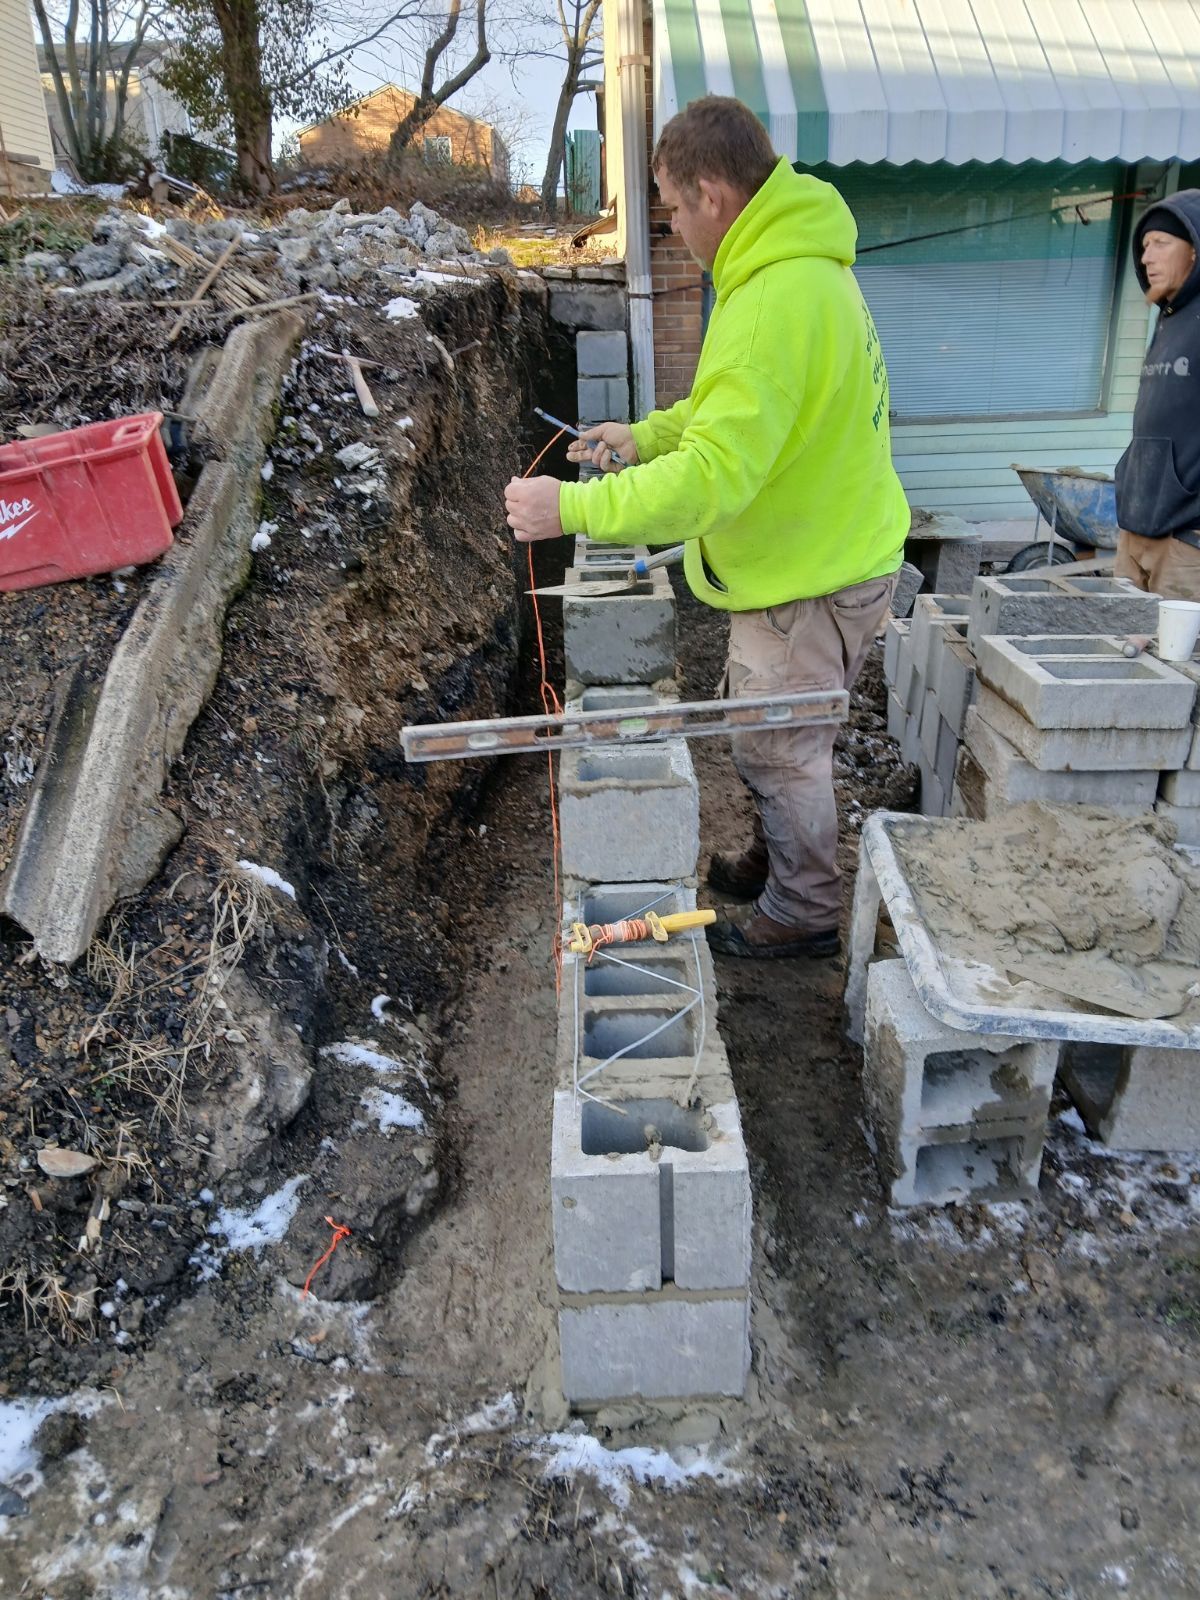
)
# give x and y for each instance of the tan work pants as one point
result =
(1160, 566)
(807, 644)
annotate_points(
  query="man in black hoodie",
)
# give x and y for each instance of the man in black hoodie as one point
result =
(1158, 477)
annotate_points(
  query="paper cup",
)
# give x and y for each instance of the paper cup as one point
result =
(1178, 629)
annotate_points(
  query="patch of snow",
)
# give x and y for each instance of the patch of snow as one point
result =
(566, 1455)
(267, 471)
(262, 539)
(423, 275)
(861, 1220)
(269, 876)
(345, 960)
(266, 1224)
(400, 307)
(392, 1110)
(404, 422)
(20, 1419)
(371, 1057)
(1116, 1575)
(495, 1416)
(379, 1005)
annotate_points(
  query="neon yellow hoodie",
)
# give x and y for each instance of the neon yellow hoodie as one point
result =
(776, 469)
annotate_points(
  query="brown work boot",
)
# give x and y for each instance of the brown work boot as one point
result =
(741, 877)
(757, 937)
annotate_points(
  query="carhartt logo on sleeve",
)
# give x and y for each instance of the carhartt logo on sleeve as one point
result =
(15, 515)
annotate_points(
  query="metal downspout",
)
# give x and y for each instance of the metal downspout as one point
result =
(631, 75)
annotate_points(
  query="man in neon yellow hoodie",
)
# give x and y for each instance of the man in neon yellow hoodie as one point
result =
(776, 472)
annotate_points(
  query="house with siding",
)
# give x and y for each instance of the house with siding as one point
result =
(994, 161)
(362, 130)
(152, 112)
(26, 155)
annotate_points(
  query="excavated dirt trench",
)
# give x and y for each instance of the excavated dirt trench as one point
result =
(388, 593)
(997, 1402)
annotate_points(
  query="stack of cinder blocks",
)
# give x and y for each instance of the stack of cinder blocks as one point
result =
(650, 1185)
(1023, 692)
(1059, 709)
(602, 377)
(953, 1114)
(931, 682)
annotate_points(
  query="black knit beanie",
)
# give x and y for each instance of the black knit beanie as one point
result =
(1159, 220)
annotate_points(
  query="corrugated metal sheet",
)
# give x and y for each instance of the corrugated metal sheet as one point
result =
(943, 80)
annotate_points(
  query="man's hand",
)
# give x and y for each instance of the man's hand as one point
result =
(532, 506)
(598, 444)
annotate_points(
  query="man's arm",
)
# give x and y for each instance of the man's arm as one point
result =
(660, 431)
(740, 422)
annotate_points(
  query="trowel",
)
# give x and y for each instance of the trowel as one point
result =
(622, 584)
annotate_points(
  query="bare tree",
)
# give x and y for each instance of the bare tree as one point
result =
(577, 20)
(90, 67)
(430, 98)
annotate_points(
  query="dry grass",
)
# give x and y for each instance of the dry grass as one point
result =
(46, 1304)
(140, 1058)
(547, 247)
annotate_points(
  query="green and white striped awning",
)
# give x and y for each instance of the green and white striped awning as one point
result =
(943, 80)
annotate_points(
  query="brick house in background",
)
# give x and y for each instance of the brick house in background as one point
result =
(364, 128)
(994, 176)
(26, 153)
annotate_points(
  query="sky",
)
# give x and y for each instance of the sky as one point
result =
(522, 91)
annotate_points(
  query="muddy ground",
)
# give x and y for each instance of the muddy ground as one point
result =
(989, 1401)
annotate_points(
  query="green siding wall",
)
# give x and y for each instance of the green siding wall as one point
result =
(966, 467)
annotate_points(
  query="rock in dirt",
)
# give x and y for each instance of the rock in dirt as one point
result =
(97, 261)
(12, 1504)
(62, 1433)
(265, 1087)
(56, 1163)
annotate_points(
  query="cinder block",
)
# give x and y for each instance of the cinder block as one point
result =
(956, 683)
(945, 760)
(1085, 749)
(908, 586)
(666, 1346)
(896, 717)
(933, 792)
(624, 638)
(909, 685)
(601, 355)
(1006, 1167)
(1092, 686)
(639, 1023)
(1191, 671)
(1136, 1097)
(628, 811)
(646, 1191)
(930, 718)
(920, 1076)
(1011, 780)
(602, 400)
(893, 636)
(932, 613)
(1181, 788)
(958, 564)
(1017, 607)
(606, 1209)
(591, 552)
(1185, 818)
(946, 549)
(953, 629)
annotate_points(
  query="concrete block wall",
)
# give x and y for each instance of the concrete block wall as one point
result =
(650, 1183)
(602, 377)
(954, 1115)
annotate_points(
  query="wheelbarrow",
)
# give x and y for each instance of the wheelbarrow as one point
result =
(1080, 512)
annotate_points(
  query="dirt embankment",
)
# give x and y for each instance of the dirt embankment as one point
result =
(226, 1035)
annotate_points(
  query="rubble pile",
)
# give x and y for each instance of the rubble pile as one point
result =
(330, 250)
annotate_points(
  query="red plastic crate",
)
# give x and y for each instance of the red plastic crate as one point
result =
(86, 501)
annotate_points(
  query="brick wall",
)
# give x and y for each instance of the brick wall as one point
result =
(676, 281)
(677, 310)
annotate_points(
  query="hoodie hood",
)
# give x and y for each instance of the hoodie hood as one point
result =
(792, 215)
(1186, 207)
